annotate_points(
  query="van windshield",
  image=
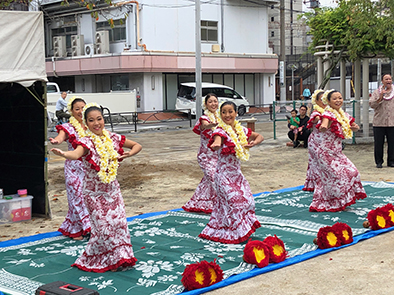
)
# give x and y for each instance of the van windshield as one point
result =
(187, 92)
(51, 88)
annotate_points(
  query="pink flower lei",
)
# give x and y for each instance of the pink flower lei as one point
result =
(391, 94)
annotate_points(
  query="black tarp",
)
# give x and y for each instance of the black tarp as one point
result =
(23, 136)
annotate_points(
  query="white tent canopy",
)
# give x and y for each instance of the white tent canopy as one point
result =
(22, 47)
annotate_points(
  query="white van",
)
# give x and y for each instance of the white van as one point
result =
(186, 98)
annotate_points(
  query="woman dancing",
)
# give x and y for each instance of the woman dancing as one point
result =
(77, 223)
(205, 194)
(338, 184)
(233, 218)
(314, 140)
(109, 246)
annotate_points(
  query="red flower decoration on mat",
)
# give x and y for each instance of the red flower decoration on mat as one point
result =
(328, 237)
(390, 211)
(216, 272)
(256, 252)
(379, 218)
(276, 248)
(201, 274)
(344, 231)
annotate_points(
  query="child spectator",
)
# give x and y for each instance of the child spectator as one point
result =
(294, 123)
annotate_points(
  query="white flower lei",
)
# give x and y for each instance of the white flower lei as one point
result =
(238, 137)
(77, 126)
(105, 148)
(213, 117)
(343, 120)
(391, 95)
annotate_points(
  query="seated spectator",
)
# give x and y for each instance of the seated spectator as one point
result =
(303, 131)
(61, 104)
(294, 122)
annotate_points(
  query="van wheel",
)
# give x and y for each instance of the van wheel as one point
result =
(241, 110)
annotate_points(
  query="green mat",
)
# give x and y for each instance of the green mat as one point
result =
(165, 242)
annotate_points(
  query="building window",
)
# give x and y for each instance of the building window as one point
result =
(272, 18)
(272, 34)
(118, 33)
(209, 31)
(272, 7)
(119, 82)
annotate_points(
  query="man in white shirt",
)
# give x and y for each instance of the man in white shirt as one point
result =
(60, 105)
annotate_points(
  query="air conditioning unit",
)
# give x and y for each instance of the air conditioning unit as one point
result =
(215, 48)
(78, 45)
(90, 49)
(102, 42)
(59, 46)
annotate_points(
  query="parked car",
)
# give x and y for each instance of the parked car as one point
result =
(186, 98)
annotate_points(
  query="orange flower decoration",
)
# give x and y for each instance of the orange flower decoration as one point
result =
(276, 249)
(344, 231)
(328, 237)
(201, 274)
(256, 252)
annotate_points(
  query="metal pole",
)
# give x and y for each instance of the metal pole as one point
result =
(365, 115)
(282, 54)
(292, 83)
(198, 61)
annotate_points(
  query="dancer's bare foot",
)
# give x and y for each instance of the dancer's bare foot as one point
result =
(78, 238)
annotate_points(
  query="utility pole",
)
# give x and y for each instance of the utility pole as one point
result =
(282, 62)
(198, 61)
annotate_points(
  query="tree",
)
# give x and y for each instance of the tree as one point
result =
(354, 30)
(92, 5)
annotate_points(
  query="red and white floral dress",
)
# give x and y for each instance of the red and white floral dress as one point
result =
(109, 246)
(338, 182)
(77, 221)
(314, 141)
(233, 218)
(205, 193)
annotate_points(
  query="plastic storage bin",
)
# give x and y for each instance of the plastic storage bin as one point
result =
(15, 209)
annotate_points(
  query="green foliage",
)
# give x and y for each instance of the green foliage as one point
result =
(363, 28)
(7, 4)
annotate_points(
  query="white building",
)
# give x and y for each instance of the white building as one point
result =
(153, 49)
(295, 29)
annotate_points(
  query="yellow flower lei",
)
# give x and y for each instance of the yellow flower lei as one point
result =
(105, 148)
(340, 115)
(77, 126)
(108, 156)
(343, 120)
(238, 137)
(213, 117)
(318, 108)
